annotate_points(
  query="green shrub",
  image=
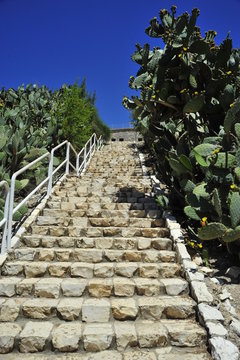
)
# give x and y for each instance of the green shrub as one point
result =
(188, 112)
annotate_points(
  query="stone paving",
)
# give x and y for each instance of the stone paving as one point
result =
(96, 274)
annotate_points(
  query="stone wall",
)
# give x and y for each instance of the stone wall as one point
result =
(125, 135)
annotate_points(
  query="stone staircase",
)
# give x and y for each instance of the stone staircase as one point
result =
(96, 274)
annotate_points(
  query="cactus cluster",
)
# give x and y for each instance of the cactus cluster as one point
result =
(33, 120)
(187, 109)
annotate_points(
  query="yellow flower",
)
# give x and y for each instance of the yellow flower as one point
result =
(154, 97)
(204, 219)
(231, 105)
(191, 243)
(216, 151)
(232, 187)
(196, 93)
(184, 49)
(229, 72)
(150, 86)
(1, 104)
(179, 55)
(199, 245)
(215, 33)
(182, 91)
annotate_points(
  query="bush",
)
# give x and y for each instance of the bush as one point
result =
(188, 111)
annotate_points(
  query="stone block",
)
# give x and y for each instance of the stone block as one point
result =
(124, 309)
(73, 287)
(34, 336)
(97, 337)
(96, 310)
(8, 333)
(70, 308)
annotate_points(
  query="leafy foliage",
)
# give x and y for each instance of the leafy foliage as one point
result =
(188, 112)
(34, 119)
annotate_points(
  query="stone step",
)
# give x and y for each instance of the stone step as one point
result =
(66, 205)
(104, 199)
(115, 243)
(87, 270)
(103, 189)
(124, 232)
(98, 310)
(92, 213)
(92, 255)
(81, 337)
(96, 287)
(166, 353)
(100, 222)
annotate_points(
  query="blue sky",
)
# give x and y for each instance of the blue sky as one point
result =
(51, 42)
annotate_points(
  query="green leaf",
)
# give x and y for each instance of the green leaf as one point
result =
(235, 209)
(199, 47)
(225, 160)
(200, 160)
(205, 149)
(200, 190)
(232, 116)
(232, 235)
(177, 166)
(217, 203)
(186, 162)
(193, 81)
(191, 213)
(3, 141)
(194, 105)
(23, 209)
(162, 201)
(188, 186)
(212, 231)
(237, 130)
(237, 172)
(20, 184)
(140, 80)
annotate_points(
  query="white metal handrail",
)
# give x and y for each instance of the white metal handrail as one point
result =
(10, 210)
(3, 222)
(50, 168)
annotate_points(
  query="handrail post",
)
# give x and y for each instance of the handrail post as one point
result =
(5, 216)
(10, 212)
(5, 230)
(77, 165)
(50, 171)
(85, 156)
(67, 158)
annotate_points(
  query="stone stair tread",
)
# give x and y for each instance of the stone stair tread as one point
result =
(46, 241)
(92, 255)
(100, 221)
(90, 309)
(100, 231)
(127, 338)
(56, 287)
(87, 269)
(153, 354)
(103, 213)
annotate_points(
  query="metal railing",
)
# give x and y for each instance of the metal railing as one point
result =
(3, 222)
(9, 210)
